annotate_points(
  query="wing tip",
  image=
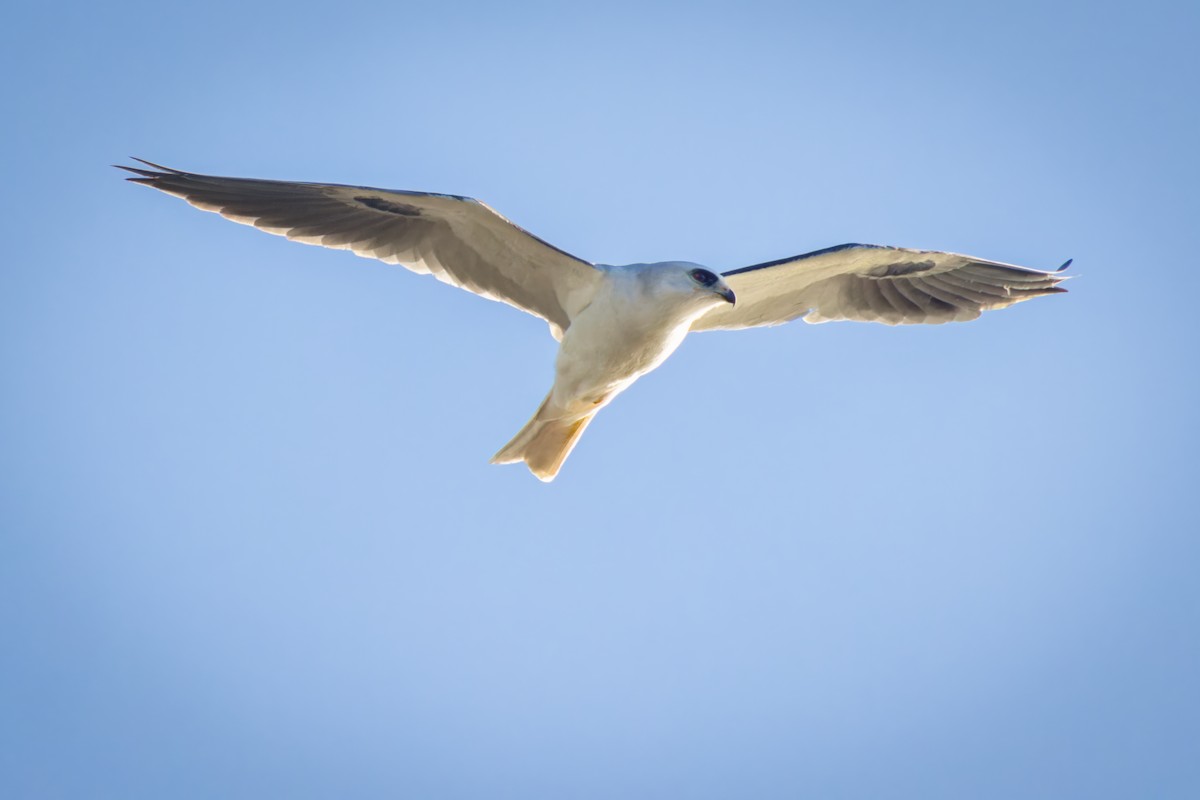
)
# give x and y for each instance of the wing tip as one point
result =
(158, 166)
(148, 176)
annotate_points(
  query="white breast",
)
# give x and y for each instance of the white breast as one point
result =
(631, 326)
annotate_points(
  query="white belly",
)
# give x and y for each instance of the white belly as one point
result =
(612, 343)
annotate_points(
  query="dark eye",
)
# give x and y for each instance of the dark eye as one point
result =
(703, 277)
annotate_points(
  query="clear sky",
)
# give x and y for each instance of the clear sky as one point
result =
(252, 547)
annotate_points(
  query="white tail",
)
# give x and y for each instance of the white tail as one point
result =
(545, 442)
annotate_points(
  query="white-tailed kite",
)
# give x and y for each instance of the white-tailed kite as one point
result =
(615, 323)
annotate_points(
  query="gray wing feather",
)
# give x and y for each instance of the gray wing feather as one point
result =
(458, 240)
(874, 283)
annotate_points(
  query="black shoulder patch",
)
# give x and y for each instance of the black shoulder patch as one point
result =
(905, 268)
(802, 256)
(379, 204)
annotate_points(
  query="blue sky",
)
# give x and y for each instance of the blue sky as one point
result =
(252, 546)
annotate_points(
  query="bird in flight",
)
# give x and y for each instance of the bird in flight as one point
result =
(614, 323)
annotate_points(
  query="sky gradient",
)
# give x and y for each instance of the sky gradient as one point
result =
(251, 544)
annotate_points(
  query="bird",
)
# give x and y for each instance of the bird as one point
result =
(614, 323)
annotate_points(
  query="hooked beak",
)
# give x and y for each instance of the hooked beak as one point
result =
(727, 293)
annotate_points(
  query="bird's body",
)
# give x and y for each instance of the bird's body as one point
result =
(615, 323)
(639, 315)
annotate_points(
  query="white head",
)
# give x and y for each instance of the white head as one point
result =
(697, 282)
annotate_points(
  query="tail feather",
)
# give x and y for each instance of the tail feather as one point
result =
(544, 443)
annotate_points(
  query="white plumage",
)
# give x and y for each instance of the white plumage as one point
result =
(615, 323)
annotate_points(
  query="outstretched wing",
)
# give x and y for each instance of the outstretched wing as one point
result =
(458, 240)
(873, 283)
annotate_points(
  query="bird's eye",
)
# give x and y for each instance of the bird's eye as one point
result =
(703, 277)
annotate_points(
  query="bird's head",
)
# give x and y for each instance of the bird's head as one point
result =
(707, 286)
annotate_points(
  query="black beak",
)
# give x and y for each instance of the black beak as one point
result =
(728, 294)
